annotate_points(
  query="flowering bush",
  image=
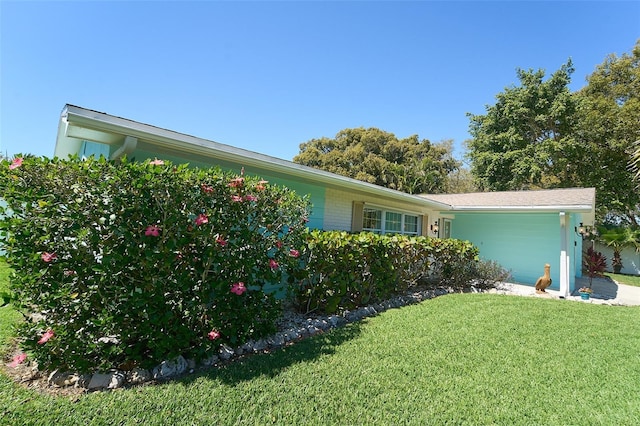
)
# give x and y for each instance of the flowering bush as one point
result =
(134, 263)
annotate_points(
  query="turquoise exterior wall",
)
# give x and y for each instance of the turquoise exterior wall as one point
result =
(520, 242)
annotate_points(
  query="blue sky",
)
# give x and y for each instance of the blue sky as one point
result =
(267, 76)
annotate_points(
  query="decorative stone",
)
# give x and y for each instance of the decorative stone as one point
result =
(212, 360)
(170, 368)
(225, 352)
(138, 376)
(112, 380)
(277, 340)
(62, 379)
(260, 345)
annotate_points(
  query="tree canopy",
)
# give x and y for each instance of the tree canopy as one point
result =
(372, 155)
(539, 134)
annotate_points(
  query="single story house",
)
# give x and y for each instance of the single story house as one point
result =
(521, 230)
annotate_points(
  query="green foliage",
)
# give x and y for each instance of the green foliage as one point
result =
(619, 237)
(350, 270)
(609, 128)
(541, 135)
(136, 262)
(375, 156)
(521, 142)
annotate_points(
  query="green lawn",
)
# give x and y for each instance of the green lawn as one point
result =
(633, 280)
(457, 359)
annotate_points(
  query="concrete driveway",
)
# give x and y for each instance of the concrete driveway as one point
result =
(605, 291)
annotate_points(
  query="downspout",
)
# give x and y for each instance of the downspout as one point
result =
(127, 148)
(564, 256)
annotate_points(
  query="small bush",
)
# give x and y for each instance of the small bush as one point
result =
(134, 263)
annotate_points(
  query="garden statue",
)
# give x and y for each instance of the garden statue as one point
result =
(545, 280)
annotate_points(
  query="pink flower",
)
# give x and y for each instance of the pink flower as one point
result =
(237, 182)
(261, 185)
(236, 198)
(156, 162)
(238, 288)
(294, 253)
(279, 244)
(202, 219)
(250, 198)
(213, 334)
(207, 189)
(152, 231)
(45, 337)
(221, 241)
(273, 264)
(18, 359)
(17, 162)
(49, 257)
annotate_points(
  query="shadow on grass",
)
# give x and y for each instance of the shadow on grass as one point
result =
(270, 364)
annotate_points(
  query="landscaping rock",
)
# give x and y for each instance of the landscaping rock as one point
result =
(170, 368)
(212, 360)
(138, 376)
(112, 380)
(225, 352)
(61, 379)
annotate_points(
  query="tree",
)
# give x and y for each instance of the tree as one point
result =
(540, 135)
(634, 164)
(372, 155)
(607, 131)
(525, 140)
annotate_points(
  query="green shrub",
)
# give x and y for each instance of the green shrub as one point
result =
(349, 270)
(134, 263)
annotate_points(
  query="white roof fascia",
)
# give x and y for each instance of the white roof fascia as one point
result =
(93, 120)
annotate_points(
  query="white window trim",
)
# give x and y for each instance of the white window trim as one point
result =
(383, 221)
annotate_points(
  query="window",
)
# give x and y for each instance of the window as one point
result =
(372, 220)
(410, 224)
(393, 223)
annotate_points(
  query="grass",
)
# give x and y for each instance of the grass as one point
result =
(457, 359)
(633, 280)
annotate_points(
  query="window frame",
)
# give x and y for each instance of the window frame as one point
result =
(383, 221)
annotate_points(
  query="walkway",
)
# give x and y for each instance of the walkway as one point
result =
(605, 291)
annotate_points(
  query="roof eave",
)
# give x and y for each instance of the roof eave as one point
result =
(77, 117)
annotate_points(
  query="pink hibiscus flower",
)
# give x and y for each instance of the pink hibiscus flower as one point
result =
(238, 288)
(213, 334)
(273, 264)
(207, 189)
(236, 198)
(156, 162)
(152, 231)
(49, 257)
(294, 253)
(237, 182)
(221, 241)
(17, 360)
(45, 337)
(261, 185)
(279, 244)
(250, 198)
(202, 219)
(17, 162)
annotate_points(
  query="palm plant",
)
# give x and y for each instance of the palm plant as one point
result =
(618, 238)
